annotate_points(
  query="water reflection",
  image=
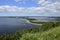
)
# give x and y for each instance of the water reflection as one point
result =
(10, 25)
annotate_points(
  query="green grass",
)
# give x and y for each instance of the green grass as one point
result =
(35, 21)
(48, 31)
(52, 34)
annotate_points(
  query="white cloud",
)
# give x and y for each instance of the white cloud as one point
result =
(12, 9)
(43, 2)
(15, 9)
(50, 5)
(47, 8)
(18, 0)
(21, 1)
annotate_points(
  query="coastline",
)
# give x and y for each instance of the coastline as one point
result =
(32, 23)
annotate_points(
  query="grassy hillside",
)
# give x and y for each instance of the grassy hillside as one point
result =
(48, 31)
(52, 34)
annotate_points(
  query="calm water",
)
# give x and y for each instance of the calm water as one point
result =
(10, 25)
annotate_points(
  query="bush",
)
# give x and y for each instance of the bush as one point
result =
(48, 25)
(39, 33)
(52, 34)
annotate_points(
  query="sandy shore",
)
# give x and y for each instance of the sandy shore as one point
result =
(31, 22)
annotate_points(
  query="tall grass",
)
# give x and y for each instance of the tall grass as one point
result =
(52, 34)
(48, 31)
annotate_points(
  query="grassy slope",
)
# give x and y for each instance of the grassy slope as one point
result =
(52, 34)
(48, 31)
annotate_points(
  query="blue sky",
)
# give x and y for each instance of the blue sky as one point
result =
(29, 7)
(28, 3)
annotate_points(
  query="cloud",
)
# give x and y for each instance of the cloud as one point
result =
(13, 9)
(18, 0)
(47, 8)
(44, 2)
(21, 1)
(50, 5)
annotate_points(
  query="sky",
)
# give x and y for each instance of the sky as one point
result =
(29, 7)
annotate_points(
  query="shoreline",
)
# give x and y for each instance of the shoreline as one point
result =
(31, 22)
